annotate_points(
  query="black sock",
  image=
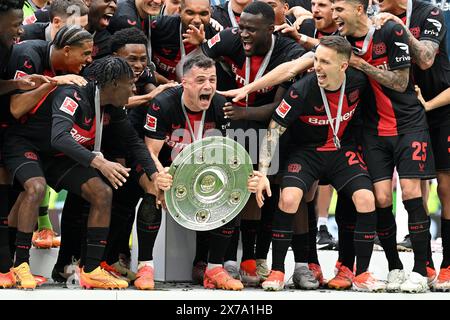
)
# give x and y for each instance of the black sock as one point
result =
(12, 235)
(231, 254)
(264, 236)
(365, 232)
(348, 244)
(202, 239)
(445, 234)
(419, 229)
(312, 233)
(5, 256)
(300, 247)
(387, 233)
(346, 221)
(23, 245)
(148, 223)
(248, 230)
(96, 243)
(118, 228)
(219, 241)
(281, 238)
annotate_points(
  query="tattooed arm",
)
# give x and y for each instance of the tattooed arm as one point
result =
(423, 52)
(268, 148)
(396, 80)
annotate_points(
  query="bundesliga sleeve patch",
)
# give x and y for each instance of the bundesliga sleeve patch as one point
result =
(283, 109)
(69, 106)
(214, 40)
(19, 74)
(150, 124)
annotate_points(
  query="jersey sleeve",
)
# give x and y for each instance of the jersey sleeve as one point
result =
(64, 109)
(155, 126)
(289, 108)
(21, 65)
(433, 28)
(396, 41)
(224, 43)
(125, 131)
(307, 28)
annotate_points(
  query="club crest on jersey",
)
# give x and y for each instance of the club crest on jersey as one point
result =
(283, 109)
(69, 106)
(150, 124)
(353, 96)
(294, 167)
(214, 40)
(20, 74)
(379, 48)
(415, 32)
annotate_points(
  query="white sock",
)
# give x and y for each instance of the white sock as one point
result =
(230, 263)
(213, 265)
(301, 264)
(145, 264)
(322, 221)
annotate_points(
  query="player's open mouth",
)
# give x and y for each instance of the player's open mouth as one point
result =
(340, 25)
(247, 45)
(317, 18)
(321, 77)
(205, 97)
(106, 18)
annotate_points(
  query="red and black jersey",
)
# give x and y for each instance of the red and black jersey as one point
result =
(220, 14)
(388, 112)
(306, 4)
(30, 57)
(166, 121)
(35, 31)
(428, 23)
(302, 111)
(63, 124)
(40, 15)
(127, 16)
(166, 44)
(308, 28)
(227, 44)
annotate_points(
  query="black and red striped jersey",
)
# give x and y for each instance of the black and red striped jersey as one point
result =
(166, 44)
(166, 121)
(388, 112)
(427, 22)
(302, 111)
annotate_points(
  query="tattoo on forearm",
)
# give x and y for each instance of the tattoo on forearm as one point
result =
(396, 80)
(422, 52)
(269, 145)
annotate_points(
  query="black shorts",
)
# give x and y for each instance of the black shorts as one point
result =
(341, 167)
(2, 140)
(410, 153)
(440, 139)
(24, 162)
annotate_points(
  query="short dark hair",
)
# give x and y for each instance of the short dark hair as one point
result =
(183, 3)
(108, 69)
(66, 8)
(127, 36)
(199, 61)
(259, 7)
(338, 44)
(364, 3)
(6, 5)
(71, 35)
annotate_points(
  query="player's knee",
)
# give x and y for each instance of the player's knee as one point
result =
(289, 202)
(364, 200)
(411, 191)
(35, 190)
(383, 199)
(98, 193)
(443, 190)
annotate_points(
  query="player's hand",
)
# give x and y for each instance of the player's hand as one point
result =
(31, 82)
(290, 31)
(253, 181)
(381, 18)
(299, 21)
(115, 173)
(420, 97)
(234, 112)
(164, 180)
(263, 185)
(194, 35)
(70, 79)
(163, 87)
(215, 24)
(237, 94)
